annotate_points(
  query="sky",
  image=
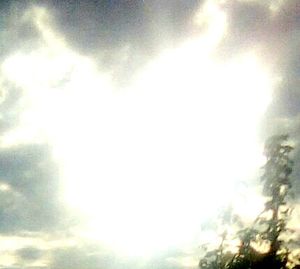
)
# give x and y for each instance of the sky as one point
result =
(128, 125)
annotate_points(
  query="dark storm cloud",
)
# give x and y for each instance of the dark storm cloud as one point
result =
(34, 202)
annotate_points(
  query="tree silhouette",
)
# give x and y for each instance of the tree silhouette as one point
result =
(265, 243)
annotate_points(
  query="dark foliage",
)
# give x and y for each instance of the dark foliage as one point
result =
(270, 228)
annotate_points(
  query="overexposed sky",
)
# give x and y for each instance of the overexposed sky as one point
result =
(131, 124)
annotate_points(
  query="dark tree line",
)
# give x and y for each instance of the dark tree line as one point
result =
(266, 243)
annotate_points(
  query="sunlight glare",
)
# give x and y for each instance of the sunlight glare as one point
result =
(173, 146)
(147, 164)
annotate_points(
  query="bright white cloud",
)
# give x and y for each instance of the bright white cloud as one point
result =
(148, 163)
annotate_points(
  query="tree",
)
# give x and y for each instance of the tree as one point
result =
(270, 227)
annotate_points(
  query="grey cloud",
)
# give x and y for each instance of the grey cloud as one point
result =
(276, 37)
(286, 29)
(77, 257)
(29, 254)
(296, 175)
(18, 33)
(92, 257)
(249, 24)
(11, 267)
(10, 107)
(287, 99)
(247, 21)
(24, 267)
(94, 25)
(165, 260)
(252, 25)
(102, 29)
(33, 176)
(121, 36)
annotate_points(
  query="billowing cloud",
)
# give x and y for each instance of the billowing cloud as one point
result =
(104, 25)
(272, 29)
(114, 89)
(274, 33)
(139, 29)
